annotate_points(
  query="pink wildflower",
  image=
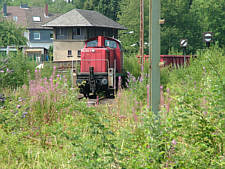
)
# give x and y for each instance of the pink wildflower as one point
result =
(174, 142)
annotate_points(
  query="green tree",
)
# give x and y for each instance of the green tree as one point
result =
(212, 16)
(109, 8)
(129, 16)
(181, 22)
(10, 34)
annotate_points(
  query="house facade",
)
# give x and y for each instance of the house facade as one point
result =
(32, 18)
(73, 28)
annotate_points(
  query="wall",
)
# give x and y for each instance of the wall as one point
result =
(60, 52)
(61, 46)
(44, 36)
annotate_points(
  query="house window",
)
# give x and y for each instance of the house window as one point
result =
(76, 32)
(69, 52)
(51, 36)
(36, 19)
(61, 33)
(79, 53)
(15, 18)
(37, 35)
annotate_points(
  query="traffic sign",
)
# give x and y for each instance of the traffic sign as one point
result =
(183, 43)
(208, 37)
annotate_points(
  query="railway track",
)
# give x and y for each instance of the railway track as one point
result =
(97, 101)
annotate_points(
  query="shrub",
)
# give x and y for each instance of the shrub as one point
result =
(15, 71)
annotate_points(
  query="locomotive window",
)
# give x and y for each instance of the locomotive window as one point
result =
(93, 43)
(110, 43)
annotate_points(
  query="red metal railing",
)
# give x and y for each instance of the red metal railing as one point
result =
(166, 60)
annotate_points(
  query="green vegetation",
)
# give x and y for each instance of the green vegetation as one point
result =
(10, 34)
(184, 19)
(44, 125)
(15, 70)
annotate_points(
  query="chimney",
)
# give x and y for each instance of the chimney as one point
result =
(5, 9)
(46, 10)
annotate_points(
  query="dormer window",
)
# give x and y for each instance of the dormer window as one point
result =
(36, 19)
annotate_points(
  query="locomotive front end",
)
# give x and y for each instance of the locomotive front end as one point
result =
(100, 64)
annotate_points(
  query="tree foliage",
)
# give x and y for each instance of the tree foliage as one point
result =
(184, 19)
(10, 34)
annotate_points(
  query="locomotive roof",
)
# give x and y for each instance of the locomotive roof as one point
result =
(84, 18)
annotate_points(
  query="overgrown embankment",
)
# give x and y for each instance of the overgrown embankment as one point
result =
(44, 125)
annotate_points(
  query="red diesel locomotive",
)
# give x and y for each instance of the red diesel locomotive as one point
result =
(101, 66)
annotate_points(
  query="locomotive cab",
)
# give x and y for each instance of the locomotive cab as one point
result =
(100, 66)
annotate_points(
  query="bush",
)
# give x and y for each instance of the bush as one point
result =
(15, 72)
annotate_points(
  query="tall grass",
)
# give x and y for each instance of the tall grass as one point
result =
(45, 128)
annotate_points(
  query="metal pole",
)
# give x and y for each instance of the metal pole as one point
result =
(208, 44)
(155, 39)
(150, 53)
(142, 33)
(72, 73)
(184, 53)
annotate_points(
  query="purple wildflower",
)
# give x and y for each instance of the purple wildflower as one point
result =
(1, 71)
(141, 79)
(24, 114)
(127, 85)
(18, 106)
(174, 142)
(148, 95)
(128, 74)
(20, 99)
(36, 71)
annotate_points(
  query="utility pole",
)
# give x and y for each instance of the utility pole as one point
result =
(154, 54)
(142, 34)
